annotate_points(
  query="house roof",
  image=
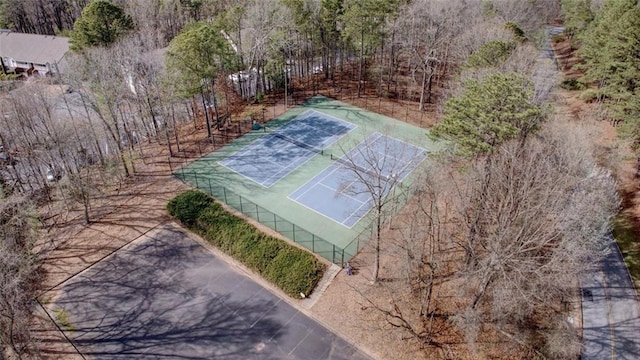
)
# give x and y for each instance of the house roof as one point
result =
(32, 48)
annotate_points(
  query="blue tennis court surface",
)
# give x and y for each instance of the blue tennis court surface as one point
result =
(345, 190)
(274, 156)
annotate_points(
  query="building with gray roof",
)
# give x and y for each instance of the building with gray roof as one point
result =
(32, 53)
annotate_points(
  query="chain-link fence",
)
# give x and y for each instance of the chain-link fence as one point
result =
(291, 231)
(336, 254)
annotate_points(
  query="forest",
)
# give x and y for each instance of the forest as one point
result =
(503, 222)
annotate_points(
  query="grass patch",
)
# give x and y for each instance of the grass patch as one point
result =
(62, 318)
(292, 269)
(625, 234)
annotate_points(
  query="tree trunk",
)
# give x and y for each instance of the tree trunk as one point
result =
(93, 130)
(376, 264)
(215, 105)
(175, 127)
(361, 62)
(423, 89)
(206, 114)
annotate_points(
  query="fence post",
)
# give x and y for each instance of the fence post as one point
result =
(210, 192)
(294, 232)
(275, 222)
(241, 210)
(313, 243)
(257, 213)
(224, 192)
(196, 176)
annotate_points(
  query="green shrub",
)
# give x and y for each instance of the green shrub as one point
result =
(572, 84)
(516, 30)
(187, 206)
(292, 269)
(490, 54)
(590, 95)
(293, 273)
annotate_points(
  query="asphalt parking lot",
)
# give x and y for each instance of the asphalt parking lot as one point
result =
(165, 296)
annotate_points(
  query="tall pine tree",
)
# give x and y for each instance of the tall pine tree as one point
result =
(611, 53)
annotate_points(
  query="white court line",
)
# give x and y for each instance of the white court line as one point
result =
(354, 211)
(340, 192)
(291, 169)
(306, 115)
(246, 148)
(351, 126)
(310, 180)
(244, 176)
(360, 218)
(321, 214)
(261, 183)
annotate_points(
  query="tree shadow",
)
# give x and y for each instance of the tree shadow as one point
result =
(158, 299)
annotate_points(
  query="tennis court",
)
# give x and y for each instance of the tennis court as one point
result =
(274, 156)
(345, 191)
(293, 178)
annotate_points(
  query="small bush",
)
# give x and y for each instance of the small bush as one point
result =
(516, 30)
(293, 272)
(188, 205)
(572, 84)
(590, 95)
(490, 53)
(292, 269)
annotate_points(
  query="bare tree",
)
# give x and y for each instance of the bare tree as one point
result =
(420, 245)
(545, 217)
(546, 213)
(425, 33)
(16, 275)
(377, 167)
(101, 82)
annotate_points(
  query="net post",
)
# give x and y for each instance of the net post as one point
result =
(196, 176)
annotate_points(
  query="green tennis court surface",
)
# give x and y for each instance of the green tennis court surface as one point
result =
(279, 176)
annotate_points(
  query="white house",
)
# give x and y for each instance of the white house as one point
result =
(32, 53)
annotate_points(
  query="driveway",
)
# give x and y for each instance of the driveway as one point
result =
(166, 296)
(610, 311)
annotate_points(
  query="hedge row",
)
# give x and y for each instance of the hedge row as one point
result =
(293, 270)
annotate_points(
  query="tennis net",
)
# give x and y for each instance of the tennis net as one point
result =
(352, 165)
(299, 143)
(349, 164)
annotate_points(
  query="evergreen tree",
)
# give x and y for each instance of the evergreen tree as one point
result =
(363, 22)
(577, 16)
(196, 56)
(490, 112)
(490, 53)
(101, 24)
(611, 52)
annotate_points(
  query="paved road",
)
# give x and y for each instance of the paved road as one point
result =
(165, 296)
(610, 307)
(610, 311)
